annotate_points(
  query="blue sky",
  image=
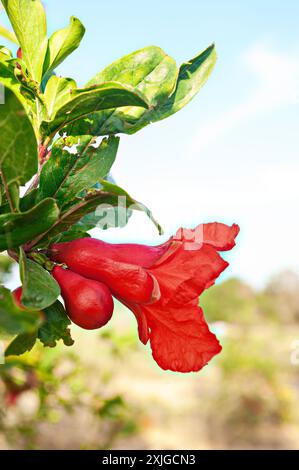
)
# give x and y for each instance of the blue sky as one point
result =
(232, 154)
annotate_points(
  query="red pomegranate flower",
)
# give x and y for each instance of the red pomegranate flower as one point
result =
(161, 286)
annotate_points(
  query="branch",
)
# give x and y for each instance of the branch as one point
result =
(44, 154)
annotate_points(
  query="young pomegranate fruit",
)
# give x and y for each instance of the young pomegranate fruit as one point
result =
(89, 304)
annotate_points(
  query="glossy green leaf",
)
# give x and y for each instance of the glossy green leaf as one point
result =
(26, 203)
(73, 234)
(3, 198)
(131, 204)
(9, 35)
(86, 101)
(9, 80)
(40, 290)
(5, 54)
(55, 326)
(28, 20)
(190, 78)
(18, 229)
(150, 71)
(13, 320)
(104, 202)
(21, 344)
(108, 217)
(18, 146)
(57, 93)
(62, 43)
(66, 175)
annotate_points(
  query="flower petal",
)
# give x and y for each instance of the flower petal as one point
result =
(220, 236)
(180, 338)
(186, 274)
(179, 335)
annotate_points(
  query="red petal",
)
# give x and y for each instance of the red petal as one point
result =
(179, 335)
(143, 329)
(186, 274)
(180, 338)
(220, 236)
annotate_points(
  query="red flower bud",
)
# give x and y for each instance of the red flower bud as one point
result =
(161, 286)
(99, 261)
(19, 53)
(88, 303)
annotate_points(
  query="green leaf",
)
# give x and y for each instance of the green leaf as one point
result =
(28, 20)
(58, 92)
(55, 327)
(18, 229)
(125, 200)
(73, 234)
(3, 198)
(40, 290)
(191, 77)
(13, 320)
(88, 100)
(30, 88)
(150, 71)
(21, 344)
(66, 175)
(108, 217)
(9, 35)
(9, 80)
(62, 43)
(5, 54)
(104, 202)
(26, 202)
(18, 146)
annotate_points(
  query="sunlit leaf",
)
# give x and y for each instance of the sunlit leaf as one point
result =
(40, 290)
(87, 100)
(21, 344)
(13, 320)
(57, 93)
(9, 35)
(62, 43)
(104, 201)
(18, 229)
(18, 146)
(55, 327)
(28, 20)
(66, 175)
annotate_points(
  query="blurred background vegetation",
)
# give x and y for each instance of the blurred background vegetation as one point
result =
(107, 392)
